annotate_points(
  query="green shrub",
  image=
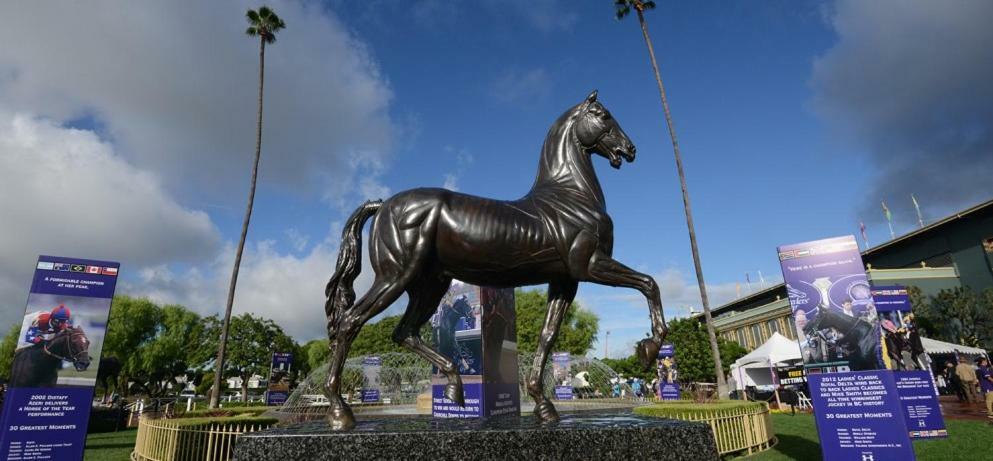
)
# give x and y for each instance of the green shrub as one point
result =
(222, 420)
(680, 409)
(223, 412)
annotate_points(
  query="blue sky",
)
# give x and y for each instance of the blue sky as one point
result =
(780, 142)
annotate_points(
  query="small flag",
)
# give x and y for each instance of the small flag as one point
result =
(920, 219)
(748, 282)
(92, 269)
(761, 280)
(77, 268)
(737, 289)
(865, 237)
(61, 267)
(109, 271)
(44, 265)
(889, 219)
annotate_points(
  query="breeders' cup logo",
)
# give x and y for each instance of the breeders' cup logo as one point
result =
(854, 287)
(797, 297)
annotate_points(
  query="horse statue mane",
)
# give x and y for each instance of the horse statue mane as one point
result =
(559, 234)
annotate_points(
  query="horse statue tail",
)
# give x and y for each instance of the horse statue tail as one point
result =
(340, 292)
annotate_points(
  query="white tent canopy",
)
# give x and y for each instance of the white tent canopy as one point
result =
(933, 346)
(754, 368)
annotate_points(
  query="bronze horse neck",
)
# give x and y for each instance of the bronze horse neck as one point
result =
(565, 164)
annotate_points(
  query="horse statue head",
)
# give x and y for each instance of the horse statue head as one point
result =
(71, 345)
(599, 133)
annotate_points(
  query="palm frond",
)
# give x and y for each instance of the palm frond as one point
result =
(622, 10)
(252, 31)
(265, 13)
(649, 5)
(253, 16)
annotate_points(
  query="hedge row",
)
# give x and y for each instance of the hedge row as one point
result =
(679, 408)
(223, 412)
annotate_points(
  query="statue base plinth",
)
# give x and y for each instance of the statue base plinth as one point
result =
(584, 435)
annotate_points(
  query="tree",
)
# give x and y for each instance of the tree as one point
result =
(962, 317)
(693, 355)
(263, 24)
(132, 323)
(623, 8)
(7, 346)
(253, 340)
(576, 336)
(173, 352)
(316, 353)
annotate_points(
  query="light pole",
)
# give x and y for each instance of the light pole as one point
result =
(606, 344)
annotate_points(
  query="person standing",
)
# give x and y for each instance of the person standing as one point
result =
(985, 375)
(967, 374)
(954, 383)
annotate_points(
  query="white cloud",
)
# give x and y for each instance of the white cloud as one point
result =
(284, 287)
(175, 85)
(66, 192)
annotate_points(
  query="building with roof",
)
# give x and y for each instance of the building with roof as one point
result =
(952, 252)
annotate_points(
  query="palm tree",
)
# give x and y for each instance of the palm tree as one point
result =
(262, 24)
(623, 8)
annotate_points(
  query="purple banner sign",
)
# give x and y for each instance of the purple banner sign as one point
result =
(278, 389)
(919, 398)
(371, 366)
(891, 298)
(832, 305)
(668, 373)
(561, 375)
(47, 404)
(859, 417)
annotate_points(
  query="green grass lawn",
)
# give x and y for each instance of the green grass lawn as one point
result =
(967, 441)
(110, 446)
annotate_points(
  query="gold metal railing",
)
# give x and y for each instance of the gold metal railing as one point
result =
(174, 440)
(736, 429)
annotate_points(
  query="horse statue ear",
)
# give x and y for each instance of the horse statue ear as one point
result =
(591, 98)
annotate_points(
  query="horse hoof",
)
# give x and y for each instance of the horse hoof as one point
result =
(546, 412)
(453, 392)
(648, 351)
(341, 419)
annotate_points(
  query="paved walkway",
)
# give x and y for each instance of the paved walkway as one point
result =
(953, 409)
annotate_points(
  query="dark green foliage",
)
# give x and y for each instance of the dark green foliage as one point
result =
(578, 332)
(693, 356)
(623, 7)
(251, 342)
(958, 315)
(7, 346)
(264, 24)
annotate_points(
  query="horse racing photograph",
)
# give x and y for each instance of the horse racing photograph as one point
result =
(60, 337)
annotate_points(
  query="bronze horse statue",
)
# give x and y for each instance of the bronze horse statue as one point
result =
(559, 234)
(38, 365)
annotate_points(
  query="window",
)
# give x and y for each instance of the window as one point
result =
(773, 326)
(790, 327)
(740, 333)
(757, 334)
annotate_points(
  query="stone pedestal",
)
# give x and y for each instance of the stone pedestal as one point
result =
(476, 328)
(583, 435)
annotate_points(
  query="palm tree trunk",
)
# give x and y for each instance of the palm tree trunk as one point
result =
(718, 367)
(219, 364)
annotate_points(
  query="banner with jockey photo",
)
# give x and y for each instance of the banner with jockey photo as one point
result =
(856, 403)
(47, 404)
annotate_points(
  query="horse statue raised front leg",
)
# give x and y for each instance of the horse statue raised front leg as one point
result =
(559, 234)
